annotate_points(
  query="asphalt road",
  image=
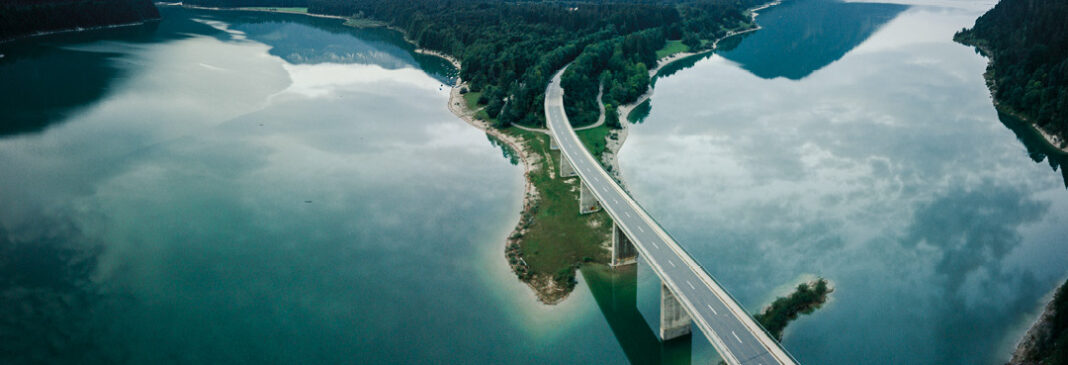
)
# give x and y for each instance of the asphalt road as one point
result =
(734, 334)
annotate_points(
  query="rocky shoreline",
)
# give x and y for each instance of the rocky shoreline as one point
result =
(1040, 338)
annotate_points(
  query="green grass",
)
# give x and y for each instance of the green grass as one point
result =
(472, 99)
(594, 140)
(672, 47)
(559, 239)
(284, 10)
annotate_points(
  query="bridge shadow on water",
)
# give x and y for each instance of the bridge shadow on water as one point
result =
(616, 293)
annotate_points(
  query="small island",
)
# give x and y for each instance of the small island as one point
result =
(807, 298)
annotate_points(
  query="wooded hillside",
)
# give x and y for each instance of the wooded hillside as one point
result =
(1027, 42)
(26, 17)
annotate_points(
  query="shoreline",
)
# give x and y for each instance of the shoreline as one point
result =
(549, 293)
(77, 30)
(256, 10)
(1051, 140)
(1039, 333)
(623, 111)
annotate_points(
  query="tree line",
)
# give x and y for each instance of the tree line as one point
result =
(618, 68)
(26, 17)
(510, 49)
(804, 300)
(1027, 42)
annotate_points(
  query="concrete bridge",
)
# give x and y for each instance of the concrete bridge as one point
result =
(688, 293)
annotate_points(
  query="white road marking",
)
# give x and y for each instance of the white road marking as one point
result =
(672, 263)
(640, 229)
(615, 201)
(627, 213)
(691, 285)
(736, 337)
(712, 309)
(656, 245)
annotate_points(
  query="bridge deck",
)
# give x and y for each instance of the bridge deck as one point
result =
(734, 334)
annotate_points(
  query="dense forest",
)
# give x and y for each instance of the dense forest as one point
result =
(1027, 42)
(620, 66)
(26, 17)
(510, 50)
(247, 3)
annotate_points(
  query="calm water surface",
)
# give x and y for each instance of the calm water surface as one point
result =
(258, 188)
(245, 187)
(872, 158)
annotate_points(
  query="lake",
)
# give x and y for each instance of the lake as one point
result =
(234, 187)
(858, 142)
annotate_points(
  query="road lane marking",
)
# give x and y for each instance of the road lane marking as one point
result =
(712, 309)
(640, 229)
(736, 337)
(691, 285)
(627, 213)
(655, 245)
(672, 263)
(615, 201)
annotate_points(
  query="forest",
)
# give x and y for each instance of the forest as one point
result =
(1027, 42)
(510, 50)
(247, 3)
(620, 66)
(26, 17)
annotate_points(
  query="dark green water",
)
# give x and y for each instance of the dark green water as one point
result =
(862, 147)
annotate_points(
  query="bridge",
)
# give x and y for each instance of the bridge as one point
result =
(688, 294)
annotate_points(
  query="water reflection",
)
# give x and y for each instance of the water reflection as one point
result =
(616, 293)
(1037, 147)
(887, 172)
(49, 79)
(802, 36)
(300, 39)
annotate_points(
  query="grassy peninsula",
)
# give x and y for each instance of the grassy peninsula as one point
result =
(1027, 43)
(507, 52)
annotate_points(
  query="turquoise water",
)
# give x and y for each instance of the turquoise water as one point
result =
(229, 187)
(877, 162)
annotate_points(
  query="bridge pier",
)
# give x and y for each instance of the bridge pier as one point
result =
(587, 202)
(623, 251)
(674, 321)
(566, 169)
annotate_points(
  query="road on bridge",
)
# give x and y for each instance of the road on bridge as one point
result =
(732, 331)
